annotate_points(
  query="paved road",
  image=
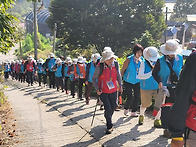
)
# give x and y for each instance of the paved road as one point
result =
(50, 118)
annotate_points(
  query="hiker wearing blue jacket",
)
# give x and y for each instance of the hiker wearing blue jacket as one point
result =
(58, 68)
(130, 71)
(40, 70)
(6, 70)
(148, 86)
(49, 65)
(90, 69)
(67, 63)
(166, 72)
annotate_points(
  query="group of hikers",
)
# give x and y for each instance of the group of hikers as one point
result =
(146, 76)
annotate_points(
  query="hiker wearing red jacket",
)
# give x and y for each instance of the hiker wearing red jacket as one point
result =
(105, 80)
(29, 67)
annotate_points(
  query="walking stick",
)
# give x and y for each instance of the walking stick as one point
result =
(94, 113)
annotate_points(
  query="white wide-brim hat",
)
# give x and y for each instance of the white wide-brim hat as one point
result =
(151, 53)
(58, 60)
(75, 61)
(80, 60)
(107, 48)
(51, 55)
(171, 47)
(40, 60)
(30, 58)
(97, 55)
(68, 59)
(107, 55)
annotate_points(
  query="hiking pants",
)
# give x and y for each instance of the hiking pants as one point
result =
(89, 88)
(44, 78)
(39, 78)
(73, 83)
(66, 83)
(59, 82)
(6, 75)
(51, 78)
(132, 99)
(110, 103)
(80, 86)
(29, 77)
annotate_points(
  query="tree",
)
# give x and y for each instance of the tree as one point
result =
(113, 23)
(8, 30)
(182, 8)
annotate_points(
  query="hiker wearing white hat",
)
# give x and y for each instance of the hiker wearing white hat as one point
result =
(68, 63)
(59, 72)
(40, 70)
(17, 69)
(72, 72)
(50, 62)
(6, 70)
(105, 79)
(107, 49)
(130, 71)
(90, 69)
(21, 72)
(81, 72)
(13, 69)
(166, 73)
(29, 69)
(148, 86)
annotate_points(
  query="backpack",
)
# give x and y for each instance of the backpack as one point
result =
(191, 114)
(102, 67)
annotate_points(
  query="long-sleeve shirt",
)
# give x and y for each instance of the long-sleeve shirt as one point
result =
(143, 75)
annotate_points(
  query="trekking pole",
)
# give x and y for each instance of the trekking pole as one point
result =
(94, 113)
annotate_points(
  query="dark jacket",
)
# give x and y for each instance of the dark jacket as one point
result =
(184, 92)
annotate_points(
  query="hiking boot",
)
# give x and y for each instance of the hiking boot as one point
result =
(166, 133)
(126, 112)
(134, 114)
(101, 107)
(118, 108)
(157, 123)
(109, 131)
(141, 120)
(87, 100)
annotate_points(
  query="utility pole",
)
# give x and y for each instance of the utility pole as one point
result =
(54, 43)
(166, 12)
(35, 30)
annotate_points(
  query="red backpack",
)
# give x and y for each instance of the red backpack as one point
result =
(191, 114)
(30, 66)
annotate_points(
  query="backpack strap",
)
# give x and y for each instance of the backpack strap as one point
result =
(101, 65)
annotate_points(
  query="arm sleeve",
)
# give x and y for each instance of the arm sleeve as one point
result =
(119, 77)
(125, 65)
(95, 77)
(155, 72)
(143, 75)
(87, 71)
